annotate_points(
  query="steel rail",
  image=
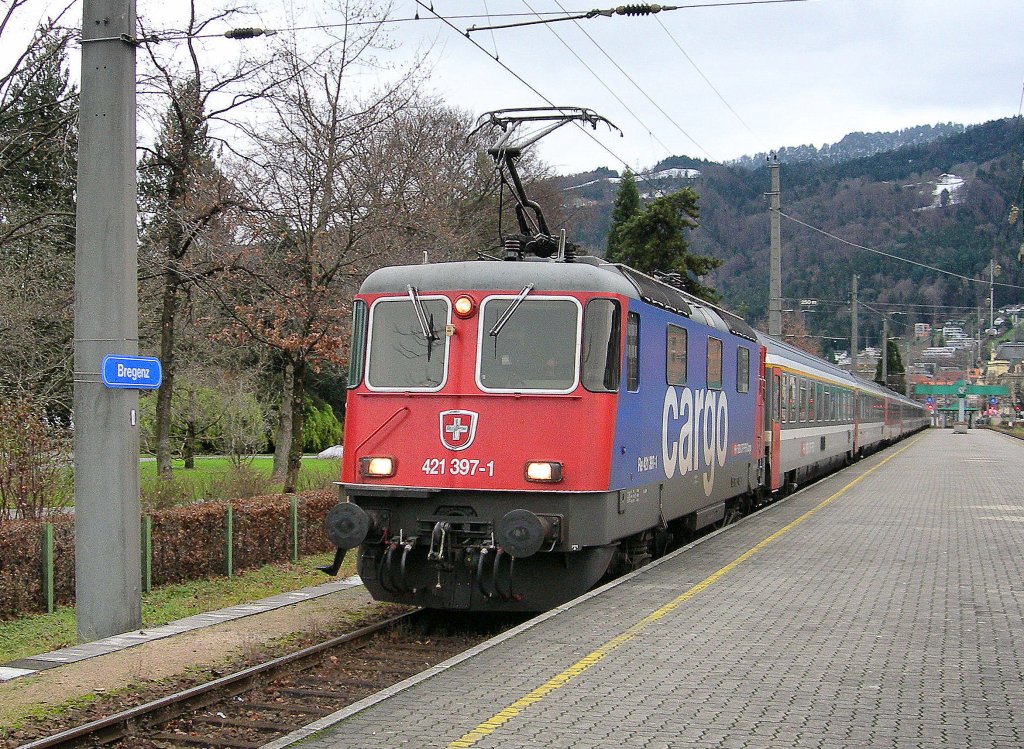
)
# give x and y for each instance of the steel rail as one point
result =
(125, 718)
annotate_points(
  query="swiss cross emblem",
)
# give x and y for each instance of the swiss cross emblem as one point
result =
(458, 429)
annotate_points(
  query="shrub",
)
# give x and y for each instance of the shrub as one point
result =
(241, 482)
(321, 428)
(162, 492)
(188, 543)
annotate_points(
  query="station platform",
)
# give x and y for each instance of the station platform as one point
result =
(882, 606)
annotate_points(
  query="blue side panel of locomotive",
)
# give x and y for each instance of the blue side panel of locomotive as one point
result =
(688, 435)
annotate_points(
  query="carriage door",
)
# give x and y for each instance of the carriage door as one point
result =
(776, 428)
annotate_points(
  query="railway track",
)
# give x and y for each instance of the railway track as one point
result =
(253, 706)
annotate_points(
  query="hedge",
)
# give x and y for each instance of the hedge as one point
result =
(186, 543)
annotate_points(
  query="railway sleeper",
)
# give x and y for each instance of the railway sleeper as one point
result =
(206, 740)
(301, 709)
(259, 725)
(321, 693)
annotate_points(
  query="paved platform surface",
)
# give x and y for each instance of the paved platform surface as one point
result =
(55, 658)
(881, 607)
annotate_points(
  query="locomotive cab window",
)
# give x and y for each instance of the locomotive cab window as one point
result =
(357, 349)
(601, 346)
(530, 343)
(675, 355)
(742, 370)
(714, 364)
(408, 346)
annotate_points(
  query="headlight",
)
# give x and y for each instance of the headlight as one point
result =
(464, 306)
(378, 467)
(544, 471)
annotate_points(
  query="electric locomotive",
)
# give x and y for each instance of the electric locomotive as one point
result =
(515, 430)
(519, 428)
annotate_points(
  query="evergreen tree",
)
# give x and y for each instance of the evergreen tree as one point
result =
(627, 205)
(895, 371)
(38, 146)
(654, 240)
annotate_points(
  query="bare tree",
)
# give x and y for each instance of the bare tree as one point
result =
(187, 198)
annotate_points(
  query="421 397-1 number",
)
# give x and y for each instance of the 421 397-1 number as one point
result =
(457, 467)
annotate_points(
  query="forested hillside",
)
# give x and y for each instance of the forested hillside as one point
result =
(943, 203)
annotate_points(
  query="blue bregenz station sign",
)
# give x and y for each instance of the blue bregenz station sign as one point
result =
(131, 372)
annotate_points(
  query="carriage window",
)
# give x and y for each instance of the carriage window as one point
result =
(803, 399)
(401, 356)
(537, 348)
(792, 399)
(357, 349)
(714, 364)
(818, 389)
(742, 370)
(633, 352)
(826, 403)
(675, 355)
(784, 398)
(601, 347)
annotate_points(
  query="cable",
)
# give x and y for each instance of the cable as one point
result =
(607, 88)
(247, 33)
(638, 87)
(846, 303)
(522, 80)
(708, 81)
(895, 257)
(494, 42)
(647, 9)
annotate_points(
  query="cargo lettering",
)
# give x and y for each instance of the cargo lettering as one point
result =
(694, 432)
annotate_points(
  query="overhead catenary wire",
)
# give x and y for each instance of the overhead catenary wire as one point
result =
(846, 303)
(639, 87)
(253, 31)
(605, 85)
(708, 81)
(830, 235)
(526, 83)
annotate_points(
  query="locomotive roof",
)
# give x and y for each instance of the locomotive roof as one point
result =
(586, 274)
(498, 275)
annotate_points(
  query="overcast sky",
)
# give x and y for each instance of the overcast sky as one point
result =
(789, 72)
(798, 72)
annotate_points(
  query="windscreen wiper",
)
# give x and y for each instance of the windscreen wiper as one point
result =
(427, 326)
(510, 311)
(421, 314)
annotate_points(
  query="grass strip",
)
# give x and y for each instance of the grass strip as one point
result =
(41, 633)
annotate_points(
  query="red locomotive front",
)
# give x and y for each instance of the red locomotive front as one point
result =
(479, 427)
